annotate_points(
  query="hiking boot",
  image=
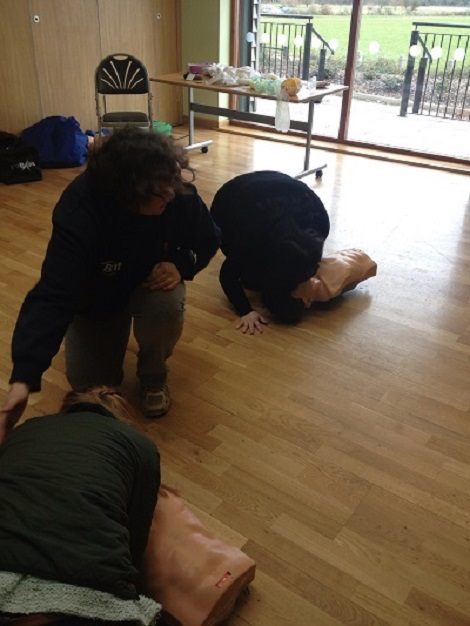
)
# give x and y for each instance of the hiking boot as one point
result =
(156, 402)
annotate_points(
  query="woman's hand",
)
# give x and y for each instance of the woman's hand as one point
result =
(13, 408)
(163, 276)
(251, 323)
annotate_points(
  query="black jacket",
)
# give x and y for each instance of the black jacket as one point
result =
(254, 211)
(97, 255)
(77, 495)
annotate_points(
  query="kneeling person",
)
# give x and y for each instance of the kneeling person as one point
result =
(273, 228)
(77, 495)
(126, 234)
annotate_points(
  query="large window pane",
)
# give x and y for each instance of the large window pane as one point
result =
(411, 88)
(417, 101)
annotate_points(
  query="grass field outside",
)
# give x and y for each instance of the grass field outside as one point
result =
(391, 32)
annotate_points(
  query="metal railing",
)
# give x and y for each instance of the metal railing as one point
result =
(285, 47)
(441, 84)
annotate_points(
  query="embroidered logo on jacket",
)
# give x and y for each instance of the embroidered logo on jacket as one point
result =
(110, 268)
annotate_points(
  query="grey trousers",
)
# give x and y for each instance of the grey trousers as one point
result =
(95, 349)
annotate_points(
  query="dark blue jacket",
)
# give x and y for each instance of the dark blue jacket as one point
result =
(255, 211)
(97, 255)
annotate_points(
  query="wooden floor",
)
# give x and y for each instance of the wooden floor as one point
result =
(337, 452)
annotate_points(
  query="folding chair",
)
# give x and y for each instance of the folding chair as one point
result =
(121, 75)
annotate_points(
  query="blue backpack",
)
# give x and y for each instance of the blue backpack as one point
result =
(59, 141)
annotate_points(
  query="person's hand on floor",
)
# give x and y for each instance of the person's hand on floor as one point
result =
(163, 276)
(251, 323)
(13, 408)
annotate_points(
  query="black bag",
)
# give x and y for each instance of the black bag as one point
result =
(19, 163)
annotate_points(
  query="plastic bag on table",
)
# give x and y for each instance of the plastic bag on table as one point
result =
(282, 116)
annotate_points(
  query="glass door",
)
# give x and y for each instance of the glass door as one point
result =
(410, 78)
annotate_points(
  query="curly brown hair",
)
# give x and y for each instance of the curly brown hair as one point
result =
(133, 165)
(107, 397)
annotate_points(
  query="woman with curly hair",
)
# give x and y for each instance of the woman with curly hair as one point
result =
(77, 495)
(126, 234)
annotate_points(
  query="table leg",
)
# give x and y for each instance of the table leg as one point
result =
(306, 171)
(201, 145)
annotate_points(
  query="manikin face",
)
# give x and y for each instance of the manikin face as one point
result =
(305, 291)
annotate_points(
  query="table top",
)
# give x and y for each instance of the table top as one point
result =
(304, 95)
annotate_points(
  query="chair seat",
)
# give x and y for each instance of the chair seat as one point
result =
(125, 116)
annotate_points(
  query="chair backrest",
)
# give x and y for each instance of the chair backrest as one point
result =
(121, 74)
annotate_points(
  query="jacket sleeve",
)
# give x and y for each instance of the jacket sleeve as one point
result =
(49, 307)
(194, 238)
(143, 499)
(233, 288)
